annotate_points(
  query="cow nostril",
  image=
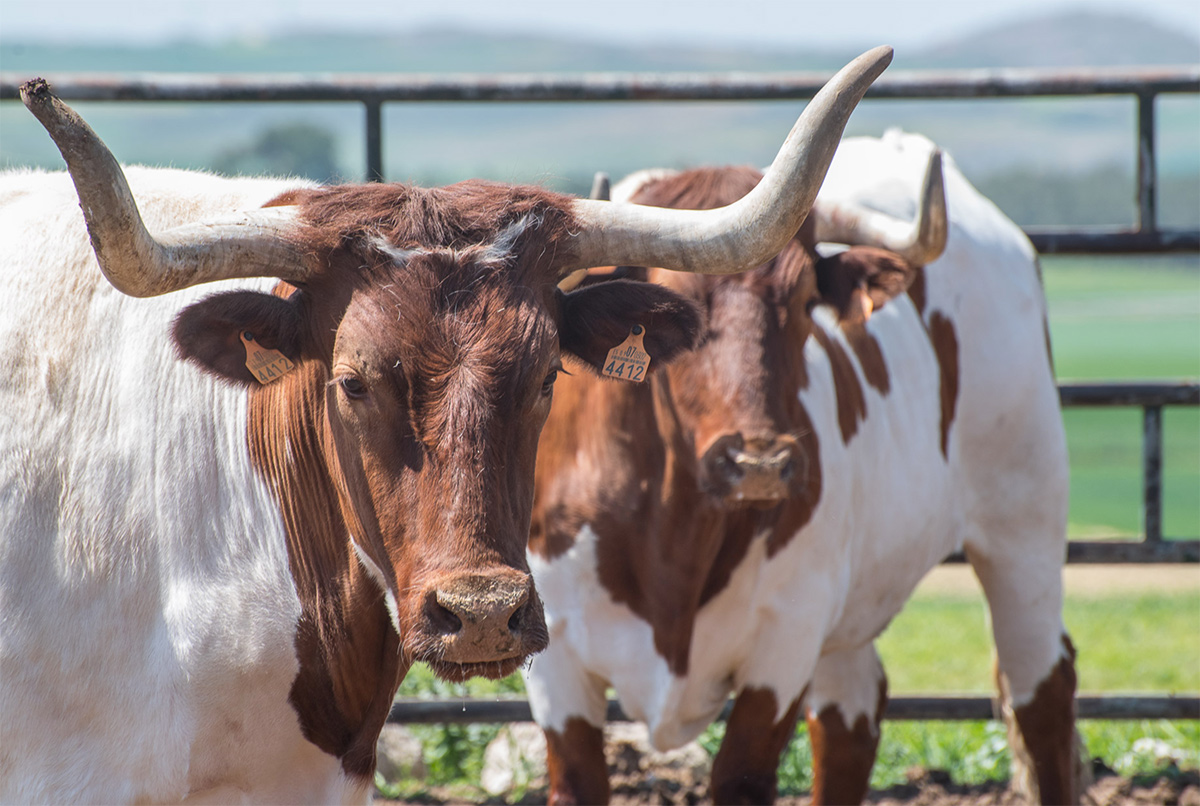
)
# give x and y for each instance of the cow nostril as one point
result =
(726, 464)
(516, 619)
(441, 619)
(788, 470)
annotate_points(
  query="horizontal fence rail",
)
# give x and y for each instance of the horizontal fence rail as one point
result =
(434, 712)
(373, 91)
(1143, 85)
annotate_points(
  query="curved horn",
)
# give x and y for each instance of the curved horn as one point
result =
(602, 191)
(748, 232)
(920, 242)
(252, 244)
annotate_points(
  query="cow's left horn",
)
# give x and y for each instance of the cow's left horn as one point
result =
(257, 243)
(748, 232)
(920, 242)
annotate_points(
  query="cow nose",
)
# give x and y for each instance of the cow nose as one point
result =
(756, 470)
(479, 618)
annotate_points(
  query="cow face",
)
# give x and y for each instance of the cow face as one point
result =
(735, 401)
(408, 429)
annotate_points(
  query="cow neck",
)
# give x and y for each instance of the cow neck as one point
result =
(599, 462)
(349, 655)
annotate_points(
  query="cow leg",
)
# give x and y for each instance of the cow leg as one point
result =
(1035, 672)
(844, 706)
(570, 705)
(575, 763)
(745, 769)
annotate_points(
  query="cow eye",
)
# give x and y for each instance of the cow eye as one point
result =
(548, 383)
(353, 387)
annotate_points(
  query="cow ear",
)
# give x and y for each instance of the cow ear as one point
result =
(862, 279)
(210, 332)
(599, 317)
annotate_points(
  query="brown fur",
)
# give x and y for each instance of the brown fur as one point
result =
(745, 769)
(842, 755)
(851, 403)
(945, 347)
(1043, 737)
(425, 361)
(576, 765)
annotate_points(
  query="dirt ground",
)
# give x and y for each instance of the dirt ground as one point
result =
(1081, 580)
(930, 789)
(660, 787)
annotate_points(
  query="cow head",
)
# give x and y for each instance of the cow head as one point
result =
(733, 404)
(423, 375)
(425, 330)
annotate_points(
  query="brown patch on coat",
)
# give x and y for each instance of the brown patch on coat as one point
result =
(576, 765)
(870, 356)
(851, 402)
(1049, 349)
(745, 770)
(842, 755)
(917, 291)
(945, 347)
(348, 653)
(1047, 733)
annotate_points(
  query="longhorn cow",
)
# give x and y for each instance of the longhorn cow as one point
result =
(231, 519)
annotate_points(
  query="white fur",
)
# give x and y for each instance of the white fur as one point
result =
(892, 506)
(148, 612)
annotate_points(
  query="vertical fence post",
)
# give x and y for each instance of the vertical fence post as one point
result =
(1152, 472)
(374, 140)
(1147, 177)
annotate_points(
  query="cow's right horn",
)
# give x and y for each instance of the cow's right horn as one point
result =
(748, 232)
(257, 243)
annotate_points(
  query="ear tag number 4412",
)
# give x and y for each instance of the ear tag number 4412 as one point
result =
(266, 365)
(629, 360)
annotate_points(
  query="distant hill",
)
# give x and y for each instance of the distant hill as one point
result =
(1076, 39)
(1073, 39)
(562, 144)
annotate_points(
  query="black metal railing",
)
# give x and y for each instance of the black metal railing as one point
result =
(1145, 85)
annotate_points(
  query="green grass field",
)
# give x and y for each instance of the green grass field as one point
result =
(1127, 318)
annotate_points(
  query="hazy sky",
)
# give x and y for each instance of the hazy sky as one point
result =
(775, 22)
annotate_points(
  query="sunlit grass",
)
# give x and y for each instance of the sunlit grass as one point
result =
(1134, 643)
(1122, 318)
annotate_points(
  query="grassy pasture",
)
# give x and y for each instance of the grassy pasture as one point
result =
(1127, 318)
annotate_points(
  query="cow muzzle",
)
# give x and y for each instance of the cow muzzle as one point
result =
(759, 472)
(480, 624)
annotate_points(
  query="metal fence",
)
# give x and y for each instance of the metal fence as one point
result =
(1145, 85)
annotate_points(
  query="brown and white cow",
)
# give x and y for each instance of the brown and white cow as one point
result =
(215, 571)
(750, 519)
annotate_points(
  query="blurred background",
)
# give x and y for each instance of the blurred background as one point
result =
(1046, 161)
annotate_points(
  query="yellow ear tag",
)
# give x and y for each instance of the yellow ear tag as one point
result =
(629, 360)
(266, 365)
(868, 307)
